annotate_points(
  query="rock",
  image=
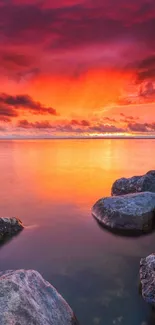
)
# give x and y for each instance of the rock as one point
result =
(145, 183)
(131, 212)
(27, 299)
(9, 227)
(147, 279)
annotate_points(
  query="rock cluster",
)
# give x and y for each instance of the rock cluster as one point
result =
(131, 206)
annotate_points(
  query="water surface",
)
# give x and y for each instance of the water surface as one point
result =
(51, 185)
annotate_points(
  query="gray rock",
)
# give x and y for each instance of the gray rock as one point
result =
(9, 227)
(131, 212)
(144, 183)
(147, 279)
(27, 299)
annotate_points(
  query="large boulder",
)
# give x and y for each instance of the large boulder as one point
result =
(144, 183)
(27, 299)
(9, 227)
(147, 279)
(131, 212)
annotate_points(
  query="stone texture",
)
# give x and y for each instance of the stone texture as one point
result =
(131, 212)
(27, 299)
(134, 184)
(147, 279)
(9, 227)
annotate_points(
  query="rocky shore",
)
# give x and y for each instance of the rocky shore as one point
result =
(25, 297)
(131, 208)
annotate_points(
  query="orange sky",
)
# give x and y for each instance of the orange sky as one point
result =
(66, 78)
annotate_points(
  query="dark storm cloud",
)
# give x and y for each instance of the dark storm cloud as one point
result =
(24, 102)
(37, 35)
(77, 24)
(147, 63)
(146, 69)
(61, 27)
(43, 37)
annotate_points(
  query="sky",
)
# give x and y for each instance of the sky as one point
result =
(76, 68)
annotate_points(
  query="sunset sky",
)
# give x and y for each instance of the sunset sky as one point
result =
(77, 68)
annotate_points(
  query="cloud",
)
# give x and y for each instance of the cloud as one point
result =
(147, 91)
(146, 69)
(36, 125)
(142, 127)
(2, 129)
(6, 113)
(16, 64)
(128, 118)
(81, 122)
(95, 43)
(24, 102)
(5, 119)
(71, 127)
(144, 93)
(12, 59)
(138, 127)
(53, 31)
(106, 128)
(109, 119)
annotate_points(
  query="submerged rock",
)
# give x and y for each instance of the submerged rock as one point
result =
(147, 279)
(9, 227)
(131, 212)
(134, 184)
(27, 299)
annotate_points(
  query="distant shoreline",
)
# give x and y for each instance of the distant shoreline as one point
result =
(82, 138)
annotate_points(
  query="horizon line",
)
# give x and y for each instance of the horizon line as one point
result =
(79, 138)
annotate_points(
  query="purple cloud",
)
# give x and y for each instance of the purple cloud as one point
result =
(24, 102)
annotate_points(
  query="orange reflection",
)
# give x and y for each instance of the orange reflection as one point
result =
(77, 172)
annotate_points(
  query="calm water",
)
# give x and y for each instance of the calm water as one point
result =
(51, 185)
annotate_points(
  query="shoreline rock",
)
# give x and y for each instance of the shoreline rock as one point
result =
(131, 213)
(27, 299)
(135, 184)
(9, 227)
(147, 279)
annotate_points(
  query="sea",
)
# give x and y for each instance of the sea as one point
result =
(51, 186)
